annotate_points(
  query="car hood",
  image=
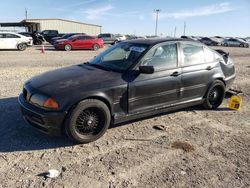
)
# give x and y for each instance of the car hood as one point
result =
(78, 78)
(56, 38)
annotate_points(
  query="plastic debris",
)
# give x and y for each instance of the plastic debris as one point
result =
(52, 173)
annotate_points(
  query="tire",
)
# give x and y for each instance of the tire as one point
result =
(246, 45)
(241, 45)
(96, 47)
(38, 42)
(225, 44)
(115, 42)
(67, 47)
(21, 47)
(214, 95)
(88, 121)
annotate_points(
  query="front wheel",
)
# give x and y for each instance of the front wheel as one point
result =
(67, 47)
(215, 95)
(246, 45)
(88, 121)
(21, 47)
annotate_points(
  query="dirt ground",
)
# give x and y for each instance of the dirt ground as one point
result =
(131, 155)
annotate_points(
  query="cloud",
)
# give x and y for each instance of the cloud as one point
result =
(202, 11)
(97, 13)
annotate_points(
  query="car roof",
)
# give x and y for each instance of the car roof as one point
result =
(160, 40)
(9, 32)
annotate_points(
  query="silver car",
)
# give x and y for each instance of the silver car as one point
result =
(235, 42)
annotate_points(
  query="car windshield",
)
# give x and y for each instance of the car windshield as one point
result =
(72, 37)
(67, 36)
(119, 57)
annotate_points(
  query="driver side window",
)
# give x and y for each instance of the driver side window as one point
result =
(163, 57)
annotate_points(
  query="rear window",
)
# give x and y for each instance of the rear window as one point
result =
(11, 36)
(193, 54)
(209, 55)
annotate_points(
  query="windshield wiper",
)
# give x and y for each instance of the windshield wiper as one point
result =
(100, 67)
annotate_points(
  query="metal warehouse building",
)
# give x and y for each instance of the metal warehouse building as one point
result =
(62, 25)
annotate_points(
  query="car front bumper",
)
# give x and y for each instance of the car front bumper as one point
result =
(48, 122)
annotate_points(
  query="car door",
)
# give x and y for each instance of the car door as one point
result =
(198, 67)
(77, 42)
(160, 89)
(88, 42)
(11, 41)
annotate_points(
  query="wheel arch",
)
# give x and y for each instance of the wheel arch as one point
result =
(212, 81)
(99, 97)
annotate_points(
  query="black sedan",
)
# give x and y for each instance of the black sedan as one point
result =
(66, 36)
(130, 80)
(210, 41)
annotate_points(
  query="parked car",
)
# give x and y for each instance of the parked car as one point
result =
(108, 38)
(49, 34)
(120, 37)
(210, 41)
(235, 42)
(77, 42)
(64, 37)
(38, 39)
(130, 80)
(218, 39)
(189, 37)
(11, 40)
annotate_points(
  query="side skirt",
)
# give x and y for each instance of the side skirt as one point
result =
(155, 111)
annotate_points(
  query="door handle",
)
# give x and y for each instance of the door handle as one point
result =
(176, 73)
(209, 68)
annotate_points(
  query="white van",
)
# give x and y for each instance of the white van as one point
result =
(11, 40)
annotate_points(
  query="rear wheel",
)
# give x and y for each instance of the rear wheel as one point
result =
(215, 95)
(95, 47)
(67, 47)
(38, 42)
(21, 47)
(88, 121)
(225, 44)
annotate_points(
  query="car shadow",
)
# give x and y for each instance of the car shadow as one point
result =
(17, 135)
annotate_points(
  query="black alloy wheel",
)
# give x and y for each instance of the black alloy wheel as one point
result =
(215, 95)
(88, 121)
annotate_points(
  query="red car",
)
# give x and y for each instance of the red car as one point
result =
(79, 42)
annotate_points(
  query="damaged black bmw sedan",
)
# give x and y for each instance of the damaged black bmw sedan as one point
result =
(130, 80)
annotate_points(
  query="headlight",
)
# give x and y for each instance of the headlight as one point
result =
(44, 101)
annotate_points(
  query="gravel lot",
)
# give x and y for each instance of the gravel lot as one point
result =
(131, 155)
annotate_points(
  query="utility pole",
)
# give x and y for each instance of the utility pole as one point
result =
(26, 14)
(174, 31)
(157, 11)
(184, 32)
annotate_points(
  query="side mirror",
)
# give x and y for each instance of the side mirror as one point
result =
(146, 69)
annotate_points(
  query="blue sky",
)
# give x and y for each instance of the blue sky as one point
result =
(206, 17)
